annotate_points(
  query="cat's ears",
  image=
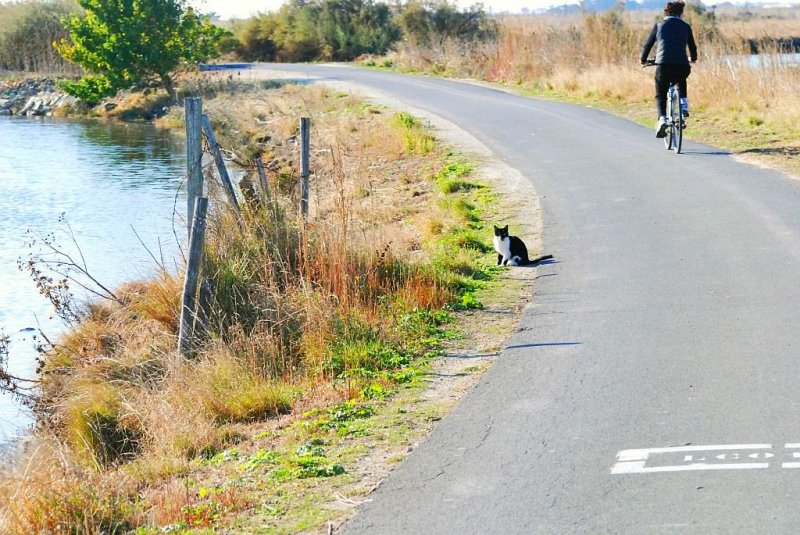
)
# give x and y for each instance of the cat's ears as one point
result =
(500, 228)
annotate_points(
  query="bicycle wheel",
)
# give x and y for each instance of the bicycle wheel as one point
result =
(678, 120)
(670, 131)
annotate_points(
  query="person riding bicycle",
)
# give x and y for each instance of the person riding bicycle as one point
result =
(673, 36)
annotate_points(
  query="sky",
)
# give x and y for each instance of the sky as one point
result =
(245, 8)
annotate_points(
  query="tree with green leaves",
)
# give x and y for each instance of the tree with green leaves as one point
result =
(308, 30)
(428, 23)
(125, 43)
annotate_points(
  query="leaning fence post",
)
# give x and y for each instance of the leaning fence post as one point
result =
(205, 299)
(193, 108)
(305, 137)
(189, 299)
(262, 179)
(223, 171)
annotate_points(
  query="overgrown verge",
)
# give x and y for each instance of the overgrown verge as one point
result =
(740, 102)
(319, 337)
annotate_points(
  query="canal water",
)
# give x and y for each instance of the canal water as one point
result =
(102, 183)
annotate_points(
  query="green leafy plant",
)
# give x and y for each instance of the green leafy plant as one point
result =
(261, 458)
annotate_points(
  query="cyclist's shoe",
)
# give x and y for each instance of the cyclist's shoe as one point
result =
(685, 107)
(661, 127)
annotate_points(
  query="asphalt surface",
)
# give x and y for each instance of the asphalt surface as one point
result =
(668, 323)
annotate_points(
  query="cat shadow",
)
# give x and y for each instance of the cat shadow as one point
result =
(471, 356)
(547, 262)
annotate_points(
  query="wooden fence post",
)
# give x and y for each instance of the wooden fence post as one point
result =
(205, 298)
(193, 108)
(262, 179)
(305, 155)
(189, 300)
(223, 171)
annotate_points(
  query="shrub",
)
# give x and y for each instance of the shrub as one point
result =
(339, 30)
(433, 22)
(28, 33)
(89, 89)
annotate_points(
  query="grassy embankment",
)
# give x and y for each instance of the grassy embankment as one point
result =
(312, 380)
(594, 60)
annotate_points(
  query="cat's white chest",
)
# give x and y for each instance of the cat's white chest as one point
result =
(502, 247)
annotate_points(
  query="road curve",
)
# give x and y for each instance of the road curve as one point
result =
(653, 387)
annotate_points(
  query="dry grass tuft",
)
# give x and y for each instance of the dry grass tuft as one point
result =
(50, 493)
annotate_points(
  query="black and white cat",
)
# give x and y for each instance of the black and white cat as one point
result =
(511, 250)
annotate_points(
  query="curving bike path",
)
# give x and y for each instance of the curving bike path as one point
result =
(654, 386)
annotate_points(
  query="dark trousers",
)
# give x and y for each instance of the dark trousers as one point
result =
(666, 73)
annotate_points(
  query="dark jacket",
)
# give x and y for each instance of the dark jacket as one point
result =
(673, 36)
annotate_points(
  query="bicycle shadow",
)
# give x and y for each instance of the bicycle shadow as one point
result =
(789, 151)
(698, 152)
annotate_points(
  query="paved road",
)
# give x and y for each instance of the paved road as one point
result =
(667, 326)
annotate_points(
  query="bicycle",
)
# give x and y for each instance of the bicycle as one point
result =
(675, 119)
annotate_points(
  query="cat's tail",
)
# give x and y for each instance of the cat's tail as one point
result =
(540, 259)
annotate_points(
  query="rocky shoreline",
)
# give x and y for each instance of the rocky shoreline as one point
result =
(33, 97)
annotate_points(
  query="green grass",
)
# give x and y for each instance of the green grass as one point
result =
(416, 138)
(388, 365)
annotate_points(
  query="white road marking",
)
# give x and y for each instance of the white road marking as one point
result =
(643, 454)
(701, 458)
(795, 455)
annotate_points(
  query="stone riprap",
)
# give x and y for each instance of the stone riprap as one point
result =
(32, 97)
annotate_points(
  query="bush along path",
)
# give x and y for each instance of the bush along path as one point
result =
(315, 374)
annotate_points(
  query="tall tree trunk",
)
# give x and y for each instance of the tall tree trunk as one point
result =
(169, 85)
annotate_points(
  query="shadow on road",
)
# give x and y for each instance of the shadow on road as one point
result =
(471, 356)
(780, 151)
(707, 152)
(545, 344)
(547, 262)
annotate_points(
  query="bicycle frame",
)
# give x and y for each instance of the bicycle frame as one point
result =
(675, 122)
(675, 119)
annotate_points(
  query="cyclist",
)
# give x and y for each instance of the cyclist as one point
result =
(673, 35)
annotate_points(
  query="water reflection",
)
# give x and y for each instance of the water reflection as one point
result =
(765, 61)
(144, 147)
(106, 179)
